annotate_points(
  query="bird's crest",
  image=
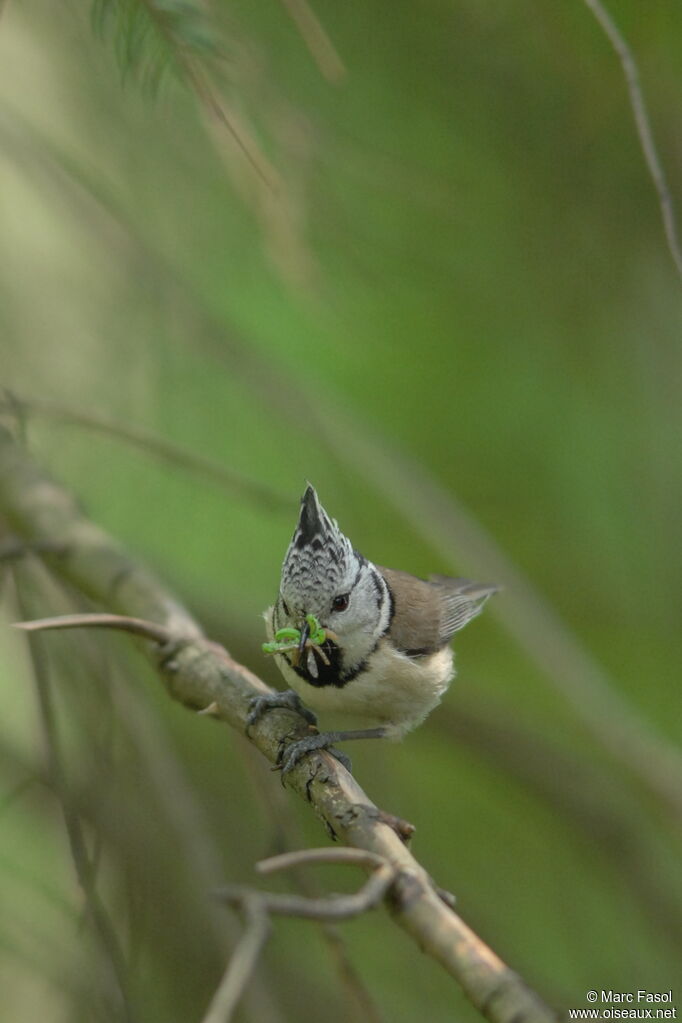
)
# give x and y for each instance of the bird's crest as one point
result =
(319, 555)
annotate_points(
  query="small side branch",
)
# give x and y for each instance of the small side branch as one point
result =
(643, 127)
(330, 908)
(139, 626)
(259, 906)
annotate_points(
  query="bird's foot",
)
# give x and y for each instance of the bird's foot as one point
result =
(287, 700)
(292, 754)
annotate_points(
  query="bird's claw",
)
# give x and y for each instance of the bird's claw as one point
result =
(294, 752)
(287, 700)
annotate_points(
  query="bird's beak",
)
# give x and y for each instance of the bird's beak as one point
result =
(305, 634)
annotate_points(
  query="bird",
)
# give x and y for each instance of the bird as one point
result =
(362, 640)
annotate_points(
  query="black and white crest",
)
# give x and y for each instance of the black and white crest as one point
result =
(319, 557)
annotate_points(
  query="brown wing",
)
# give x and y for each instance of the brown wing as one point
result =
(427, 614)
(462, 601)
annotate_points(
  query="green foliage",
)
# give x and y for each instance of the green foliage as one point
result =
(152, 37)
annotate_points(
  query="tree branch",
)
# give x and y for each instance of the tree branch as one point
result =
(287, 832)
(200, 674)
(12, 549)
(642, 121)
(334, 907)
(258, 906)
(138, 626)
(316, 39)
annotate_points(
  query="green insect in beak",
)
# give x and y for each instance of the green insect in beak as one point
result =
(286, 640)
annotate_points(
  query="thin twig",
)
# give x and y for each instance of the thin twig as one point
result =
(333, 907)
(148, 442)
(643, 126)
(189, 69)
(285, 861)
(242, 964)
(258, 906)
(97, 911)
(138, 626)
(215, 109)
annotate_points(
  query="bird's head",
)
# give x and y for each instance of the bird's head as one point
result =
(323, 575)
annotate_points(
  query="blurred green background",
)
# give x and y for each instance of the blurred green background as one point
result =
(443, 295)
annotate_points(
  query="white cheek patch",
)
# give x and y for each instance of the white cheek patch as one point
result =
(312, 664)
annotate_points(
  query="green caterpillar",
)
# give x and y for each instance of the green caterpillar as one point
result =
(289, 639)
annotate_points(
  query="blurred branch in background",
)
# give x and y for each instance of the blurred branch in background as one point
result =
(242, 964)
(258, 907)
(150, 36)
(587, 802)
(316, 39)
(82, 860)
(450, 528)
(86, 810)
(200, 675)
(643, 126)
(156, 447)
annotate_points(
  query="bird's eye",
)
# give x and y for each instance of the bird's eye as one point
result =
(340, 603)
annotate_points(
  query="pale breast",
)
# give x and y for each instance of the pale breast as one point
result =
(394, 690)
